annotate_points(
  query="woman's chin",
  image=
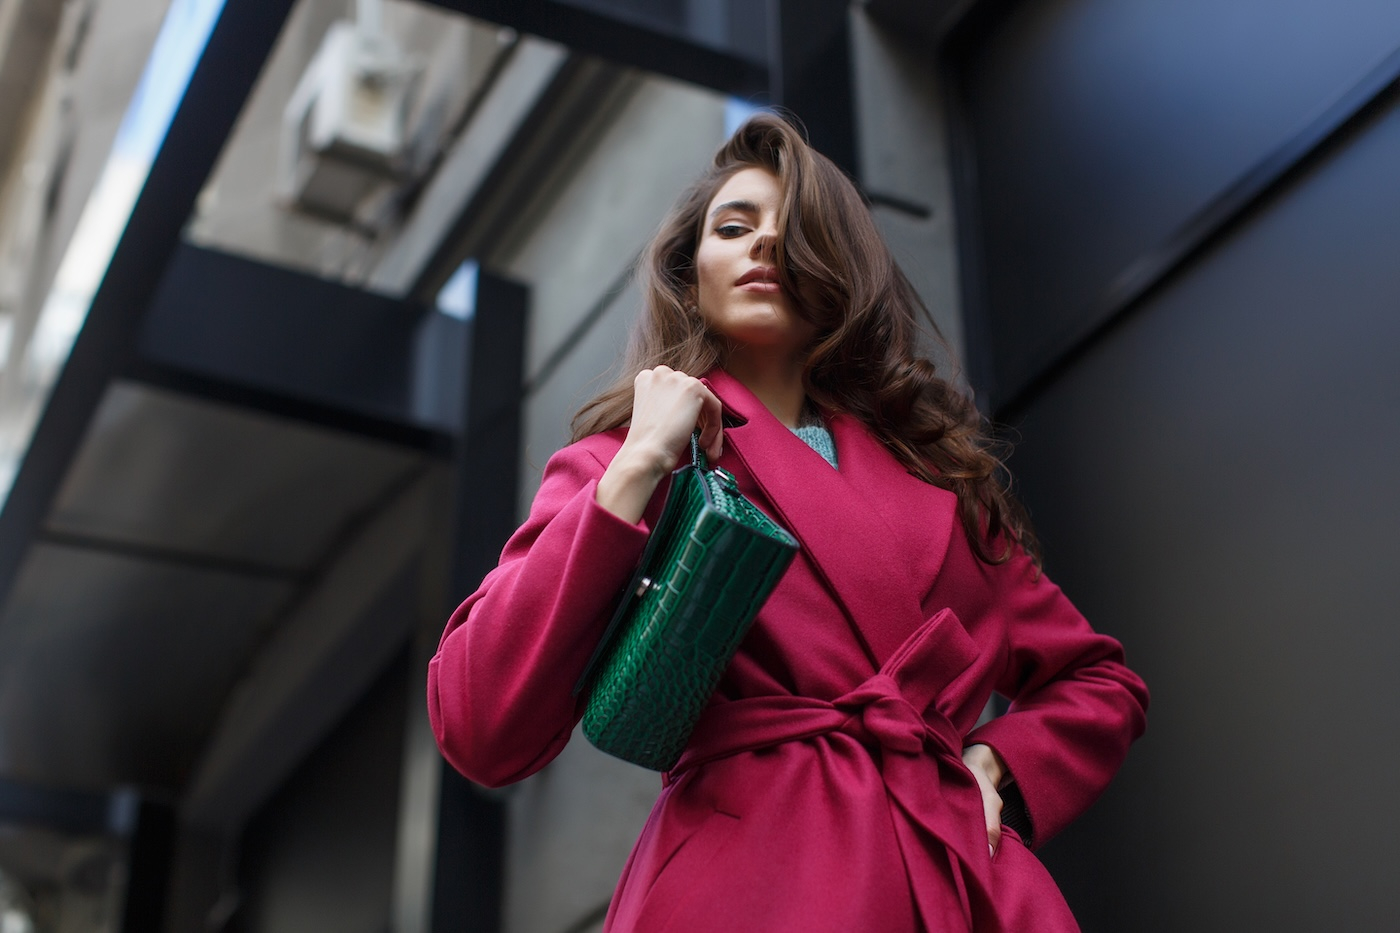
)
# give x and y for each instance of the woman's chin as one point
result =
(776, 331)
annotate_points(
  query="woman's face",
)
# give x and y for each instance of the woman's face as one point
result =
(736, 281)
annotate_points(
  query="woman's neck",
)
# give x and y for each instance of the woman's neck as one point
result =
(777, 384)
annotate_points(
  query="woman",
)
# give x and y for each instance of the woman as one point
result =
(837, 781)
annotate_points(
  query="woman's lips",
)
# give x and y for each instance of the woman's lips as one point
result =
(763, 286)
(760, 279)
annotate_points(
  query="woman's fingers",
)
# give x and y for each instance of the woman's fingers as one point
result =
(665, 407)
(991, 808)
(993, 814)
(988, 771)
(668, 405)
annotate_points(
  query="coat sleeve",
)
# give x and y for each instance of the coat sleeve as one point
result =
(1075, 706)
(500, 686)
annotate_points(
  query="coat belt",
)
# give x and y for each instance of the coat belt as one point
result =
(918, 751)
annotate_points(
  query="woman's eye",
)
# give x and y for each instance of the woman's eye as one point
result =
(730, 231)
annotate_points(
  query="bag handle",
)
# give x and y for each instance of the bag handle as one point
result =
(697, 456)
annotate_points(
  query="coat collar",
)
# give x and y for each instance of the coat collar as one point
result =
(874, 533)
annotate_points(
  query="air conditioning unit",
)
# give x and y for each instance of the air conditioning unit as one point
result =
(344, 133)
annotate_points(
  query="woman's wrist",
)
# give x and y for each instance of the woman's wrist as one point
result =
(986, 758)
(627, 484)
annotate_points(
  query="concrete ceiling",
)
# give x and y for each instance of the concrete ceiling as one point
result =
(183, 534)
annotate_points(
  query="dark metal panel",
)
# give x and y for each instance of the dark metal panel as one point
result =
(970, 238)
(745, 22)
(149, 860)
(471, 827)
(284, 332)
(1254, 187)
(488, 457)
(56, 808)
(1103, 130)
(737, 27)
(232, 392)
(470, 871)
(626, 43)
(1214, 482)
(810, 57)
(668, 15)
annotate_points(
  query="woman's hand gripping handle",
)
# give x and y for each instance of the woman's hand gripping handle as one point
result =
(667, 406)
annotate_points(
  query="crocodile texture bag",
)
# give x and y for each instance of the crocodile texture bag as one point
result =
(708, 567)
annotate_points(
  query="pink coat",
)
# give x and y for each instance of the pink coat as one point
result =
(823, 790)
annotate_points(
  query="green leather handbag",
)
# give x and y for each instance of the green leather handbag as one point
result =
(710, 563)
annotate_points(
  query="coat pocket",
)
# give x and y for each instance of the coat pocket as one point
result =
(1027, 898)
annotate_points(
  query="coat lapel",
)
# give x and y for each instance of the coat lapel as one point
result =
(922, 516)
(875, 534)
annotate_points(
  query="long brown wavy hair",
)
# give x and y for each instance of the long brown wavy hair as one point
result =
(864, 360)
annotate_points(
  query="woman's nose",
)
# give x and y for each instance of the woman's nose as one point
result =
(763, 243)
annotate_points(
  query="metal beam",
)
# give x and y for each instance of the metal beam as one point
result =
(175, 557)
(284, 331)
(232, 391)
(623, 42)
(471, 827)
(150, 859)
(810, 73)
(294, 345)
(469, 876)
(60, 809)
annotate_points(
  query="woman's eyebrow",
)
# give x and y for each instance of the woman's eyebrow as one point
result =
(741, 205)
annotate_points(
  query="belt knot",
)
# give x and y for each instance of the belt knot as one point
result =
(885, 715)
